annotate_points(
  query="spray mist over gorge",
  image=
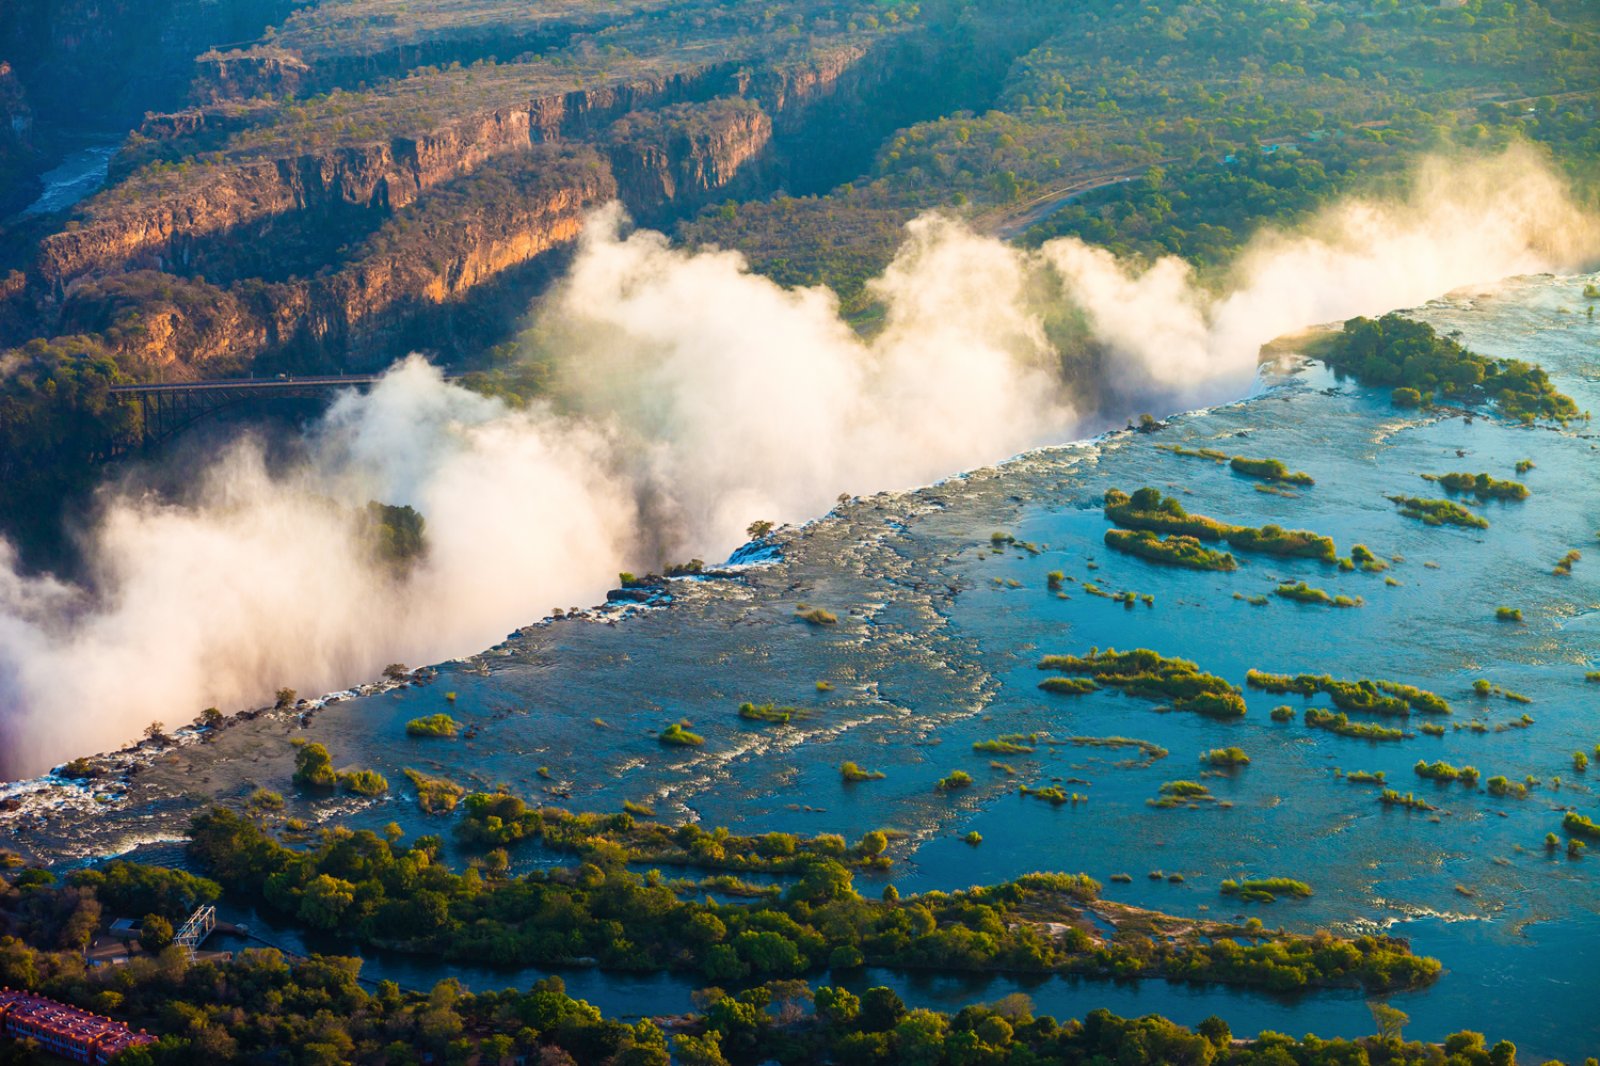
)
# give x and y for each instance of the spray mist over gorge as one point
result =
(692, 397)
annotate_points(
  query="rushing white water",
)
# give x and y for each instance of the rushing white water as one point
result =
(694, 397)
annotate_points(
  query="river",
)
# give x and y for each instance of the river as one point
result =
(940, 626)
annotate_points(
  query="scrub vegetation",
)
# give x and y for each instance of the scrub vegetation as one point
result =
(1149, 675)
(1422, 368)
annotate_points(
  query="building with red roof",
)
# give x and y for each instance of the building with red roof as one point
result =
(65, 1031)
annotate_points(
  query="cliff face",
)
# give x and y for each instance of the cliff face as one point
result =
(16, 143)
(681, 157)
(340, 257)
(101, 63)
(510, 216)
(160, 234)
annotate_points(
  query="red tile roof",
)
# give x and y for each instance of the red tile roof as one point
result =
(97, 1037)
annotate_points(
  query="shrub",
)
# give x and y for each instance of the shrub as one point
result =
(435, 795)
(851, 773)
(1266, 889)
(1438, 512)
(1011, 744)
(434, 725)
(1176, 550)
(313, 767)
(957, 779)
(364, 782)
(1226, 757)
(1508, 614)
(1578, 825)
(817, 616)
(677, 736)
(1268, 470)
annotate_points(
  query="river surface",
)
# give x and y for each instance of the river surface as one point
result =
(939, 631)
(80, 174)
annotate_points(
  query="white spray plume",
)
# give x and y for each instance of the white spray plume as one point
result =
(694, 397)
(1463, 223)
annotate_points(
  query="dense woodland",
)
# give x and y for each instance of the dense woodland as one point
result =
(771, 952)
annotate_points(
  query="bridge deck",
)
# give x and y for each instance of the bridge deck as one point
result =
(228, 384)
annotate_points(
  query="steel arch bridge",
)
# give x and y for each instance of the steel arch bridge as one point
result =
(169, 409)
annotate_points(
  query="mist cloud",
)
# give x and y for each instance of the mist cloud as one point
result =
(692, 397)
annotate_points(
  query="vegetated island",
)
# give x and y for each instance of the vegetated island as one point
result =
(433, 725)
(1410, 358)
(1148, 510)
(604, 911)
(1149, 675)
(249, 1007)
(1263, 469)
(1391, 698)
(1265, 889)
(1174, 550)
(1483, 486)
(1438, 512)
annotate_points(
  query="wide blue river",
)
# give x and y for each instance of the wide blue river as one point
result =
(939, 632)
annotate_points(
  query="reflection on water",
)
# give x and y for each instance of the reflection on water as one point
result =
(939, 630)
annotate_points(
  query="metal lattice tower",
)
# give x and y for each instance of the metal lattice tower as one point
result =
(194, 931)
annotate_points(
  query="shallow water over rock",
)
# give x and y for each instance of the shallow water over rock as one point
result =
(940, 627)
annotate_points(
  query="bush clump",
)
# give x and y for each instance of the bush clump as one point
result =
(1339, 723)
(363, 782)
(957, 779)
(1269, 470)
(1408, 357)
(435, 795)
(313, 767)
(767, 712)
(1010, 744)
(434, 725)
(1175, 550)
(1443, 771)
(676, 735)
(1580, 826)
(1225, 757)
(1482, 486)
(1147, 674)
(1266, 889)
(1438, 512)
(852, 773)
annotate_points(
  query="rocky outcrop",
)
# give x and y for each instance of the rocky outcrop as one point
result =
(248, 74)
(159, 232)
(681, 157)
(332, 258)
(100, 62)
(507, 215)
(384, 177)
(17, 155)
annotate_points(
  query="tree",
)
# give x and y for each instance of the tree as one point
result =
(1216, 1031)
(698, 1050)
(1391, 1020)
(325, 901)
(919, 1038)
(286, 698)
(155, 933)
(837, 1005)
(313, 767)
(156, 732)
(211, 717)
(758, 529)
(881, 1009)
